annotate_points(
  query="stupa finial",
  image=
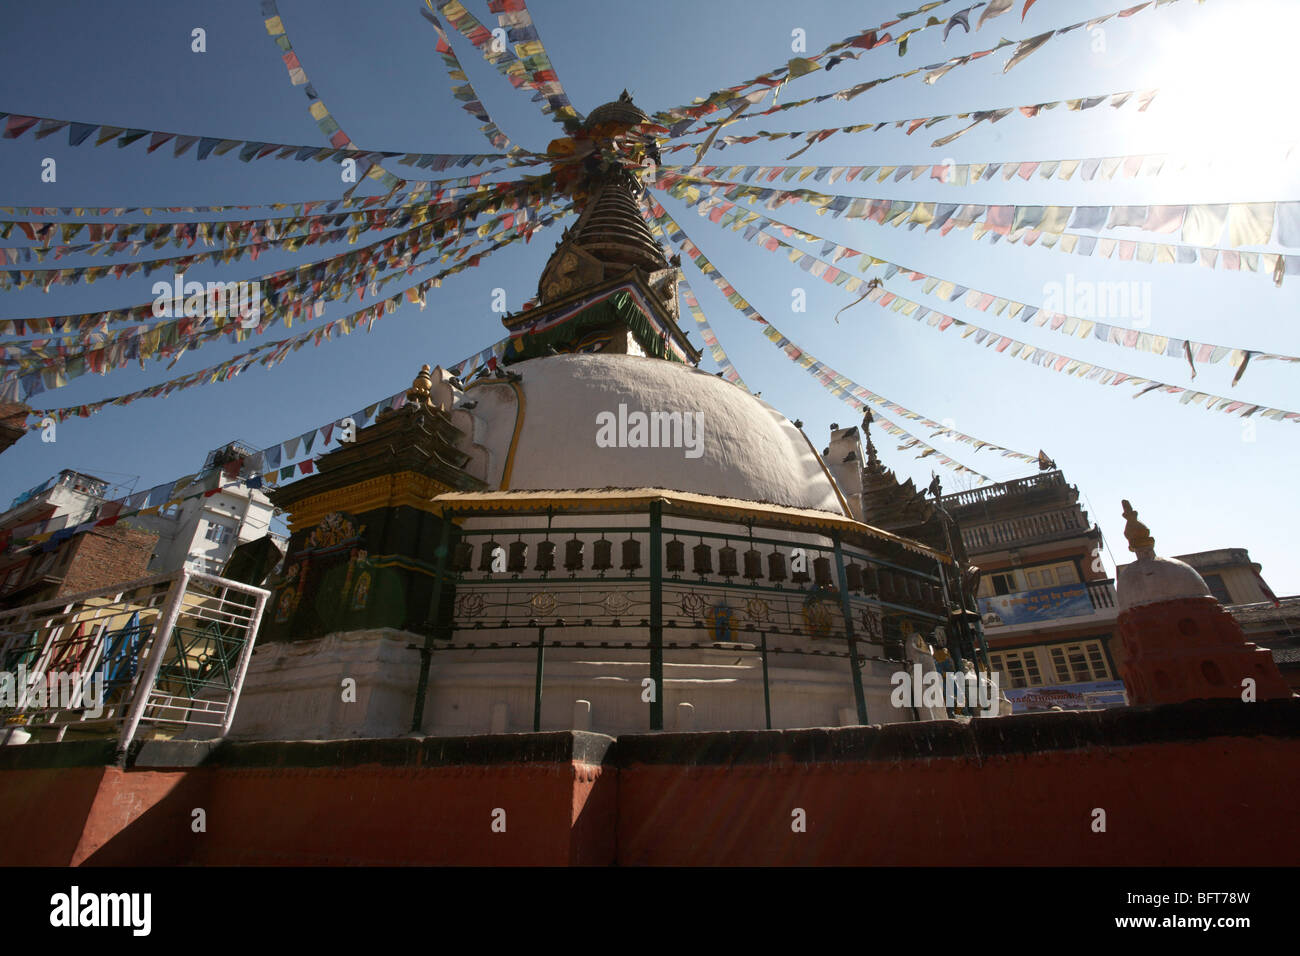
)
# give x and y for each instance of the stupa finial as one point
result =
(873, 462)
(1138, 534)
(421, 390)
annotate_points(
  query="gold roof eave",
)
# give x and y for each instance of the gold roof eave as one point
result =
(684, 503)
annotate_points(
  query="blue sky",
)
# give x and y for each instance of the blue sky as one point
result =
(1201, 480)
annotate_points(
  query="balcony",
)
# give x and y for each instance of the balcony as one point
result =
(1045, 607)
(1029, 529)
(159, 656)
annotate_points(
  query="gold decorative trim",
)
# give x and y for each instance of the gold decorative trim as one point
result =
(514, 439)
(387, 491)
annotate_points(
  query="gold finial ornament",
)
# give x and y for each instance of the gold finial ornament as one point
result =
(421, 390)
(1138, 534)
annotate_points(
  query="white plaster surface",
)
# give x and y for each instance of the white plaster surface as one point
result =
(750, 450)
(1150, 579)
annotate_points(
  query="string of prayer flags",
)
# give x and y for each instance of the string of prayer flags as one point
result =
(687, 295)
(385, 253)
(170, 340)
(1089, 169)
(934, 71)
(842, 257)
(517, 196)
(248, 150)
(465, 93)
(265, 465)
(444, 187)
(514, 18)
(850, 48)
(1067, 364)
(115, 238)
(328, 126)
(533, 71)
(710, 337)
(1141, 99)
(272, 353)
(1045, 223)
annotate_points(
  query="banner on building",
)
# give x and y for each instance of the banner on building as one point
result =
(1037, 605)
(1097, 695)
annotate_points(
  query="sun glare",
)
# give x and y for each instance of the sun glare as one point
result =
(1227, 95)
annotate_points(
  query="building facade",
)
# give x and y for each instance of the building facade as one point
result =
(78, 556)
(1046, 603)
(211, 515)
(217, 512)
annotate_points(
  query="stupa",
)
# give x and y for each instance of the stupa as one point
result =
(595, 534)
(1178, 643)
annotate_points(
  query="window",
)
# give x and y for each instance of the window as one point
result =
(217, 533)
(1052, 574)
(1079, 663)
(1019, 667)
(44, 563)
(1004, 583)
(1215, 583)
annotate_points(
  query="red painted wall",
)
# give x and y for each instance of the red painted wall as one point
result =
(42, 812)
(1012, 791)
(1203, 803)
(367, 815)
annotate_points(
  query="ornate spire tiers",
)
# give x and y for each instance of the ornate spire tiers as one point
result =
(1177, 641)
(607, 287)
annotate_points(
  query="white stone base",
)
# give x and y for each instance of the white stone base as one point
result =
(296, 691)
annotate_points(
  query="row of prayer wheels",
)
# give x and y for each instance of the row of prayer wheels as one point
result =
(894, 586)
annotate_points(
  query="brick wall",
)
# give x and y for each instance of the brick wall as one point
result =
(106, 556)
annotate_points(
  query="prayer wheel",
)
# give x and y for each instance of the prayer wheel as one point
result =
(631, 554)
(702, 556)
(517, 562)
(573, 555)
(676, 557)
(545, 556)
(776, 566)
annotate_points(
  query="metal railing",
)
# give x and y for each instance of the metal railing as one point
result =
(169, 651)
(1102, 594)
(638, 581)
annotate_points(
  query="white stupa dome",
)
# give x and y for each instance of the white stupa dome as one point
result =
(1151, 579)
(744, 448)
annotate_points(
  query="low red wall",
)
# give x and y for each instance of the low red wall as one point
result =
(1165, 804)
(43, 812)
(1195, 784)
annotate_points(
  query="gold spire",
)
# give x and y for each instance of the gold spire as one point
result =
(1138, 534)
(421, 390)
